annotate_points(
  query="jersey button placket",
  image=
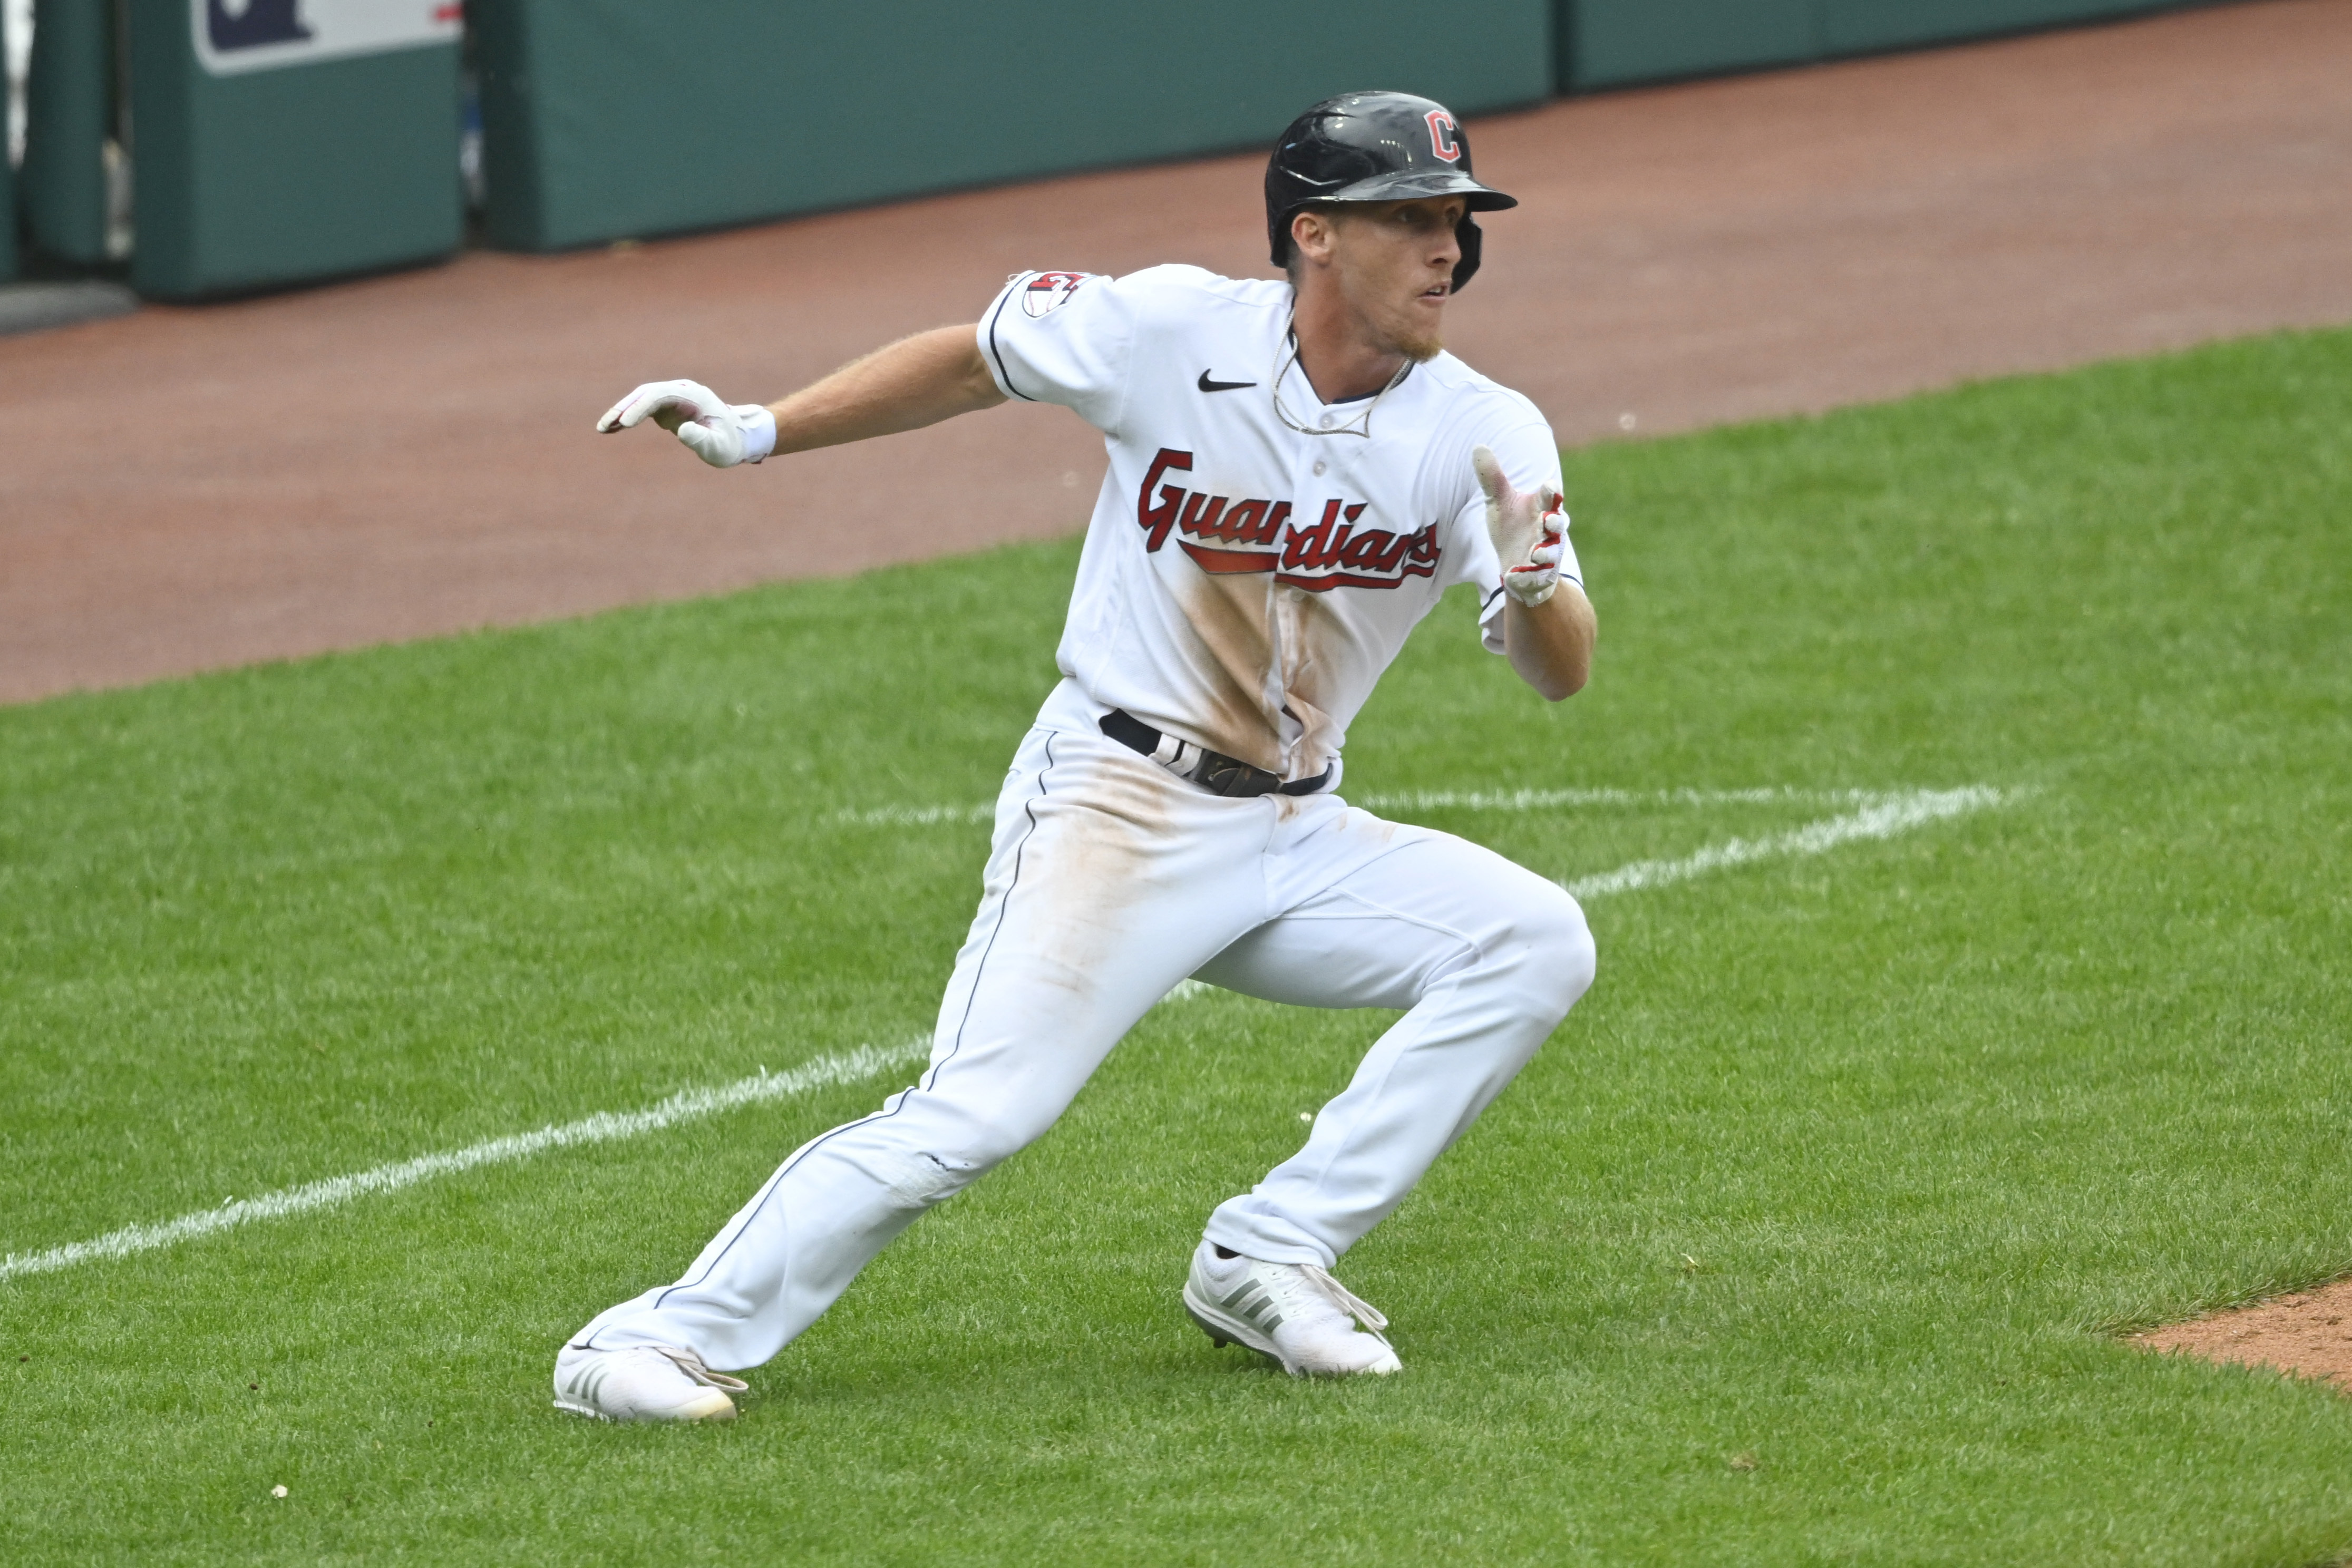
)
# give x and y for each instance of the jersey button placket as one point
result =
(1306, 497)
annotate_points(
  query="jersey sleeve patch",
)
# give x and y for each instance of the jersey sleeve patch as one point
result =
(1047, 292)
(1062, 337)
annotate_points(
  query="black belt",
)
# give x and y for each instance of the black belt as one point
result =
(1212, 770)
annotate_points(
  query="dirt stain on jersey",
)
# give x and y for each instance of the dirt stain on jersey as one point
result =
(1318, 656)
(1229, 616)
(1246, 625)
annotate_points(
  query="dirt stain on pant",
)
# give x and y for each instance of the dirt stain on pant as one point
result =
(1100, 852)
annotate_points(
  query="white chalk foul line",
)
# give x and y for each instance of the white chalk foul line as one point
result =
(1453, 800)
(1879, 816)
(604, 1127)
(1883, 818)
(916, 816)
(1554, 800)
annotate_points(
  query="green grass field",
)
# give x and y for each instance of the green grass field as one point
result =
(1806, 1241)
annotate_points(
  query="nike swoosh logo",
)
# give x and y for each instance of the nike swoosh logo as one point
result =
(1205, 384)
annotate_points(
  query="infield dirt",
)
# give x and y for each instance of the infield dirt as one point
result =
(2306, 1332)
(188, 488)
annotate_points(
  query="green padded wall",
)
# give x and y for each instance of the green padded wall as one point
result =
(605, 119)
(1611, 43)
(69, 114)
(1858, 27)
(8, 192)
(1604, 42)
(273, 176)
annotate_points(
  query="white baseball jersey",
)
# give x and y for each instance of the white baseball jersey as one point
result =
(1244, 583)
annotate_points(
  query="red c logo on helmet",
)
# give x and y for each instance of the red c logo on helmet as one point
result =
(1442, 140)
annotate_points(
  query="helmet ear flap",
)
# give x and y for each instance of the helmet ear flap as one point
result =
(1472, 243)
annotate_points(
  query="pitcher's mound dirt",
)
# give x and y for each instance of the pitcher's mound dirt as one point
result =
(2308, 1333)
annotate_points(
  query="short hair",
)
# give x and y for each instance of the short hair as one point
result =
(1290, 262)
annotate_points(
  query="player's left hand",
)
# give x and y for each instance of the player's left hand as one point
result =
(1529, 529)
(720, 434)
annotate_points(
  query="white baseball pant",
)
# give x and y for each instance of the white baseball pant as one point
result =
(1110, 880)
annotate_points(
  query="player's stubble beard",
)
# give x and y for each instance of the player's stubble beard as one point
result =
(1420, 349)
(1393, 319)
(1400, 329)
(1390, 287)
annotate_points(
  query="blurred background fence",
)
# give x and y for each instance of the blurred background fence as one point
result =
(212, 147)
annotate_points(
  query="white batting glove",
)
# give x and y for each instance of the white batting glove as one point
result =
(722, 434)
(1529, 527)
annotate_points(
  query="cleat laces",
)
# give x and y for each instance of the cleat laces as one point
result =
(691, 1364)
(1346, 1300)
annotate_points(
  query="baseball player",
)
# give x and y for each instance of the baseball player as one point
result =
(1297, 472)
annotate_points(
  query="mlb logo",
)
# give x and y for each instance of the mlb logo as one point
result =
(234, 37)
(249, 24)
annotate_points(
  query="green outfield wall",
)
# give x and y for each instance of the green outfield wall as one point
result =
(1615, 43)
(68, 115)
(274, 142)
(605, 119)
(280, 140)
(7, 193)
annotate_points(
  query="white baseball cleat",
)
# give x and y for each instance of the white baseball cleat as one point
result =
(1295, 1313)
(642, 1383)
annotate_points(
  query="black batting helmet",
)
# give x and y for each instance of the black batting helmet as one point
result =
(1375, 147)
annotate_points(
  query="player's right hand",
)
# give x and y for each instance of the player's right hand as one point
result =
(720, 434)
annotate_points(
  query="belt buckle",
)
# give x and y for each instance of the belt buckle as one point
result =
(1231, 778)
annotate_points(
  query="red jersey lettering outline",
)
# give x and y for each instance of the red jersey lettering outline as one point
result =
(1250, 535)
(1376, 557)
(1157, 520)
